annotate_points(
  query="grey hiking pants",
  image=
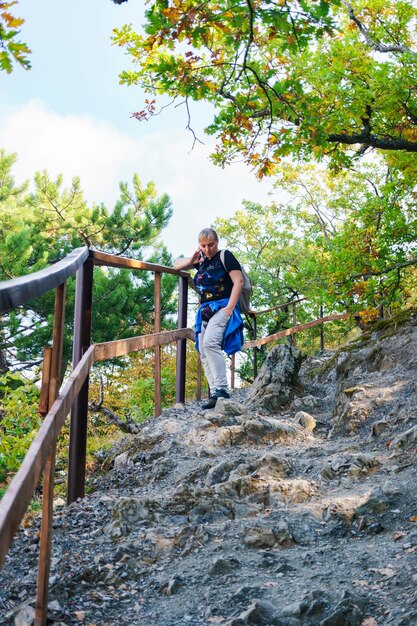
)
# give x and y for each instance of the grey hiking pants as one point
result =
(212, 358)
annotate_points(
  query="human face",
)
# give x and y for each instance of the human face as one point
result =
(209, 247)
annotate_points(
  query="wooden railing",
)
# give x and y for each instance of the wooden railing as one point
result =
(57, 402)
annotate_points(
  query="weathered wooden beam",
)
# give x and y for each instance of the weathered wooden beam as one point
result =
(14, 293)
(112, 260)
(57, 343)
(181, 344)
(41, 608)
(295, 329)
(20, 491)
(79, 413)
(157, 349)
(46, 375)
(112, 349)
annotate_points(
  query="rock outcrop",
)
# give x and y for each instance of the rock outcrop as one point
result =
(275, 382)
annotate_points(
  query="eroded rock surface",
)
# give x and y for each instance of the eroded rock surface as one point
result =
(295, 507)
(274, 385)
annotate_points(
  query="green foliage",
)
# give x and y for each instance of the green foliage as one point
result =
(130, 387)
(310, 79)
(19, 421)
(343, 242)
(41, 227)
(10, 48)
(141, 398)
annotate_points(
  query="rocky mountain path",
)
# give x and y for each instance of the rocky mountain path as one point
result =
(291, 504)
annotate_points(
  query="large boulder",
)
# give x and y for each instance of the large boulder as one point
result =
(275, 382)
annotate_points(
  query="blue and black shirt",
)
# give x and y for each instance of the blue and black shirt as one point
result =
(212, 279)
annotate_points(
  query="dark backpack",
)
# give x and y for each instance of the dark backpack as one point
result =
(244, 300)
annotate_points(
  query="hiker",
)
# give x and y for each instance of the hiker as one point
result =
(218, 324)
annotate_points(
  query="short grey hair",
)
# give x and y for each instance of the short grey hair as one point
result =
(208, 233)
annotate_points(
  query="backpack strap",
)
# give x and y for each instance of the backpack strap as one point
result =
(222, 259)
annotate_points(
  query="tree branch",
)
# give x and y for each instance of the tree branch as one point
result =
(128, 426)
(189, 127)
(379, 47)
(250, 41)
(384, 143)
(369, 274)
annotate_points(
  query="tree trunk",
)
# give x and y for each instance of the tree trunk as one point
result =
(4, 366)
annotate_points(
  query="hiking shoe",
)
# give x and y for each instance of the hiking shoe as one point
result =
(210, 404)
(220, 393)
(217, 393)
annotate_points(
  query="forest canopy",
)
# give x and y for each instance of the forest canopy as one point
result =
(295, 86)
(41, 226)
(303, 78)
(347, 242)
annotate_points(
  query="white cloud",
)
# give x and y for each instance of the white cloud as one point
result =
(101, 156)
(69, 145)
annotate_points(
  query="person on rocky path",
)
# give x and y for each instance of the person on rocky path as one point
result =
(218, 323)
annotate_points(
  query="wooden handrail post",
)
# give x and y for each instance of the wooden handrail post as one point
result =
(199, 372)
(41, 611)
(294, 323)
(181, 344)
(255, 350)
(46, 376)
(57, 343)
(79, 414)
(321, 331)
(232, 371)
(157, 349)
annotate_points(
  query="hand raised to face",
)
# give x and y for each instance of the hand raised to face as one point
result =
(209, 247)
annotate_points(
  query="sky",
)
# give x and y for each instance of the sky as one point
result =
(70, 116)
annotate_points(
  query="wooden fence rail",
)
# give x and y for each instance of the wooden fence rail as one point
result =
(112, 349)
(255, 314)
(20, 492)
(255, 343)
(14, 293)
(56, 403)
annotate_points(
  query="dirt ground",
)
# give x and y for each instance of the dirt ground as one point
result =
(234, 516)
